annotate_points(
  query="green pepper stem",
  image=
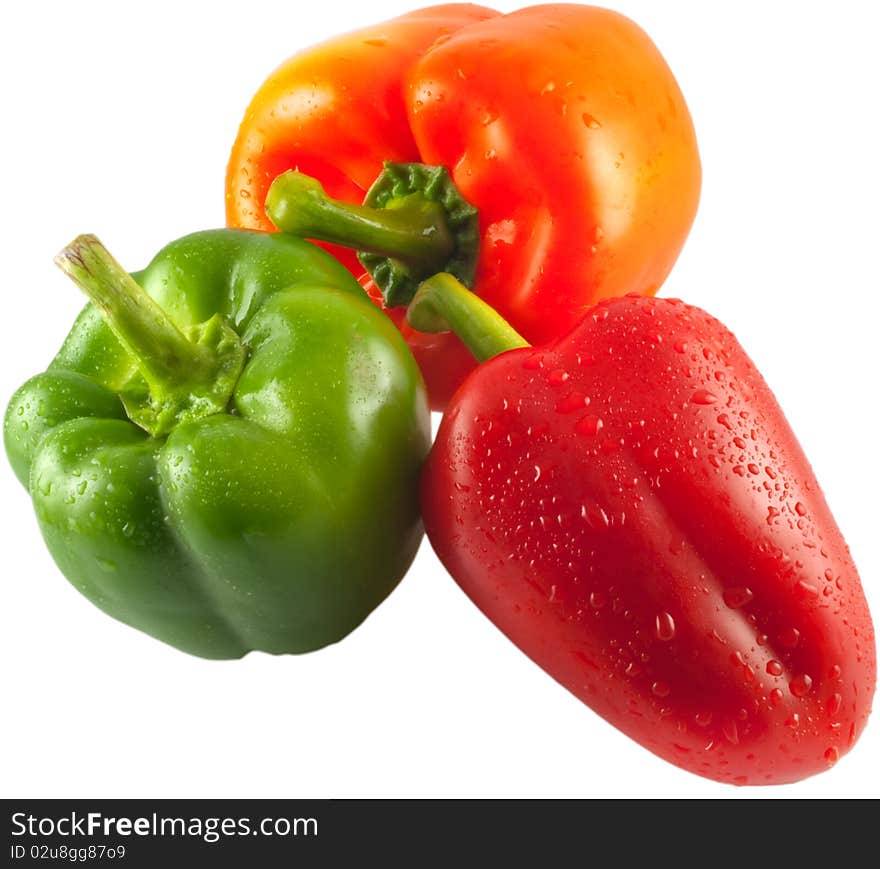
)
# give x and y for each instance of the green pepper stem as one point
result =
(414, 231)
(443, 304)
(187, 379)
(162, 353)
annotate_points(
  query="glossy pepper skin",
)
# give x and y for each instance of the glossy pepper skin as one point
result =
(629, 505)
(273, 513)
(562, 124)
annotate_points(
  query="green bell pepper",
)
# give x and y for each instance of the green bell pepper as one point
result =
(225, 452)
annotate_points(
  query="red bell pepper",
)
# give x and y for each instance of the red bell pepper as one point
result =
(630, 507)
(561, 124)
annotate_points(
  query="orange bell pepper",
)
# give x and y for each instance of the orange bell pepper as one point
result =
(561, 124)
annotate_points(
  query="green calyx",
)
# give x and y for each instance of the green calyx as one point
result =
(414, 223)
(179, 375)
(401, 187)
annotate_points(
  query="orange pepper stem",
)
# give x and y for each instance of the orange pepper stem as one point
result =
(414, 231)
(413, 224)
(443, 304)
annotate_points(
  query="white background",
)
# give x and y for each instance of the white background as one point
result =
(117, 119)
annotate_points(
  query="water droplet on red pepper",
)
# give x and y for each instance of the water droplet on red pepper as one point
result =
(832, 755)
(731, 732)
(774, 668)
(737, 597)
(595, 516)
(589, 425)
(806, 589)
(664, 627)
(801, 684)
(572, 402)
(660, 689)
(833, 704)
(789, 638)
(704, 396)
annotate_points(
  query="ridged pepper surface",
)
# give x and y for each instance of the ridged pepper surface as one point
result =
(225, 451)
(629, 505)
(561, 124)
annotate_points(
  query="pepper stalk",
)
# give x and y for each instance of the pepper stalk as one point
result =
(189, 374)
(414, 223)
(443, 304)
